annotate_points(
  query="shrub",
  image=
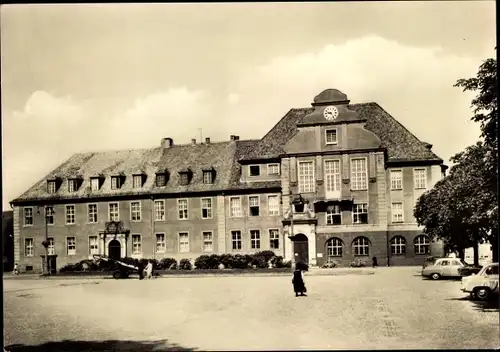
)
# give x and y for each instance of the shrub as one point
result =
(213, 261)
(202, 262)
(287, 264)
(277, 261)
(227, 260)
(185, 264)
(167, 264)
(240, 261)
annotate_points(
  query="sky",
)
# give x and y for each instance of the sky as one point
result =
(80, 78)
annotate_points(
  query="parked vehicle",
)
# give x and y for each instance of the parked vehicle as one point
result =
(468, 270)
(120, 270)
(443, 267)
(482, 285)
(357, 264)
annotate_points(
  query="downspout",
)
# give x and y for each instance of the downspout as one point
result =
(388, 248)
(153, 239)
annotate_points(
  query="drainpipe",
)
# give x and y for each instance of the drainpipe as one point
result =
(153, 226)
(388, 249)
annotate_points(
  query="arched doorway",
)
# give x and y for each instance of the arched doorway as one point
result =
(300, 248)
(114, 249)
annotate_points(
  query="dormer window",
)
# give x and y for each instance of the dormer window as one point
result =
(51, 186)
(254, 170)
(95, 184)
(208, 176)
(137, 181)
(116, 182)
(72, 185)
(161, 180)
(331, 136)
(185, 177)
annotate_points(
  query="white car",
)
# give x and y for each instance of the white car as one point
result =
(443, 267)
(482, 285)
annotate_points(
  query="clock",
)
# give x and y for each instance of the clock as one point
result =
(330, 112)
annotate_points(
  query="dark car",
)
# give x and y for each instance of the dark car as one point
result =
(469, 269)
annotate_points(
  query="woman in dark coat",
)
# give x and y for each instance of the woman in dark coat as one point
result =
(298, 281)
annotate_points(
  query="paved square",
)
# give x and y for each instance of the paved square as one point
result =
(391, 309)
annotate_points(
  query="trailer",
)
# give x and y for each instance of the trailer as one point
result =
(121, 270)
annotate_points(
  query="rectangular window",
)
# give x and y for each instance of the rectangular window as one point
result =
(397, 212)
(273, 169)
(306, 177)
(137, 181)
(161, 180)
(255, 239)
(207, 177)
(274, 238)
(254, 206)
(359, 176)
(49, 215)
(51, 249)
(115, 182)
(333, 215)
(94, 184)
(29, 249)
(273, 205)
(28, 216)
(236, 240)
(136, 244)
(331, 136)
(159, 210)
(51, 187)
(72, 185)
(182, 209)
(235, 207)
(161, 245)
(93, 245)
(114, 212)
(183, 242)
(206, 208)
(332, 178)
(208, 241)
(92, 213)
(71, 245)
(396, 179)
(360, 214)
(70, 214)
(420, 177)
(135, 211)
(254, 170)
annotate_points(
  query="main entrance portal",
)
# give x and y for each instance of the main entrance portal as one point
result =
(300, 248)
(114, 249)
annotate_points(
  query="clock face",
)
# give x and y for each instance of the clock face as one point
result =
(330, 113)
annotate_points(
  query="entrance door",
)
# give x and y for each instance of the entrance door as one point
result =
(114, 249)
(53, 264)
(300, 248)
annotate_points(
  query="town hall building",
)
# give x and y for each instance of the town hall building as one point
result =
(333, 182)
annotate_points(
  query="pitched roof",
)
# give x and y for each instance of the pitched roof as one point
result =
(400, 143)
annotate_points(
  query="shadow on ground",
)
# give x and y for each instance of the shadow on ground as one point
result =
(490, 305)
(99, 346)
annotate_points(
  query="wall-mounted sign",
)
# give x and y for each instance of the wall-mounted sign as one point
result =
(319, 255)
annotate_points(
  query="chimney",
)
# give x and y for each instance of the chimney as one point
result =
(193, 141)
(234, 138)
(167, 142)
(207, 140)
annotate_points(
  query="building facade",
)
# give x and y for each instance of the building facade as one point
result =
(334, 182)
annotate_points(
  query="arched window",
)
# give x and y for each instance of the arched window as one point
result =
(334, 247)
(361, 246)
(398, 245)
(422, 244)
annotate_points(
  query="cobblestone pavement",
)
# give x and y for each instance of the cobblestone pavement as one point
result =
(392, 309)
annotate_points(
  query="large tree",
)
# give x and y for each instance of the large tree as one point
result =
(462, 208)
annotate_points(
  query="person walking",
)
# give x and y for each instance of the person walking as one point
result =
(299, 286)
(16, 269)
(140, 266)
(374, 262)
(149, 270)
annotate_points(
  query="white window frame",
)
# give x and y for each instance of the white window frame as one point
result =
(136, 244)
(29, 249)
(359, 213)
(208, 177)
(51, 248)
(93, 248)
(137, 212)
(51, 190)
(185, 212)
(135, 179)
(274, 233)
(94, 181)
(423, 180)
(359, 247)
(334, 248)
(250, 173)
(250, 205)
(89, 213)
(255, 241)
(237, 240)
(333, 180)
(161, 245)
(206, 241)
(68, 251)
(239, 212)
(329, 215)
(185, 243)
(117, 211)
(418, 245)
(398, 245)
(359, 179)
(210, 211)
(336, 136)
(25, 216)
(51, 215)
(305, 187)
(397, 213)
(69, 206)
(164, 175)
(118, 182)
(72, 185)
(273, 212)
(159, 211)
(269, 169)
(396, 180)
